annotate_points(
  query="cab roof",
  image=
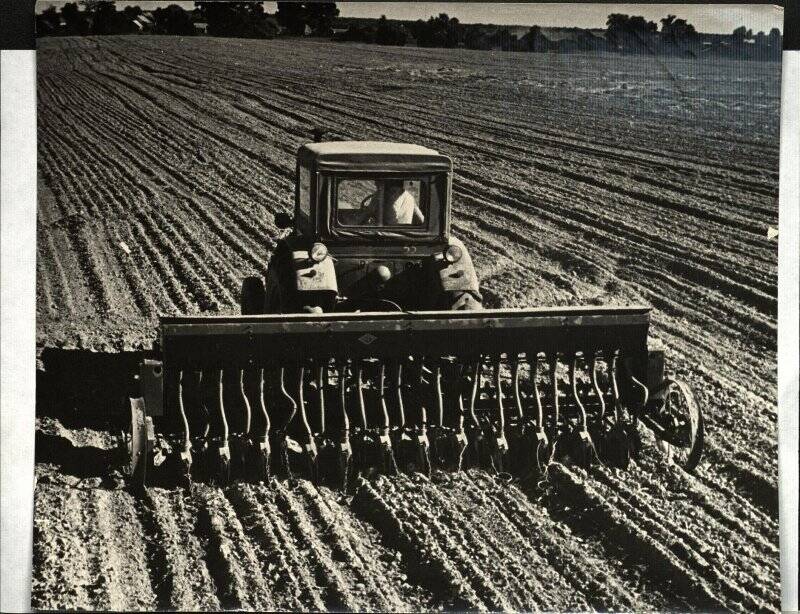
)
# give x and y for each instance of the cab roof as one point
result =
(374, 156)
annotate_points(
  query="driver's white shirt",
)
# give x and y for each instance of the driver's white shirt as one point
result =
(401, 211)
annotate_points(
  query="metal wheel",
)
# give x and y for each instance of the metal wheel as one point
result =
(682, 439)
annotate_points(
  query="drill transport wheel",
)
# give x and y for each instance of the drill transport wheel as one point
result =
(682, 436)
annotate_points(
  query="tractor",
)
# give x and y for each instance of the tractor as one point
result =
(366, 348)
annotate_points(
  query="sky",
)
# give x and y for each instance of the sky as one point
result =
(718, 18)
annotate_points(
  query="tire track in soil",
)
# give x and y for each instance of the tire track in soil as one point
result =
(177, 566)
(355, 543)
(231, 558)
(691, 542)
(462, 549)
(122, 550)
(61, 578)
(588, 568)
(425, 561)
(294, 586)
(578, 503)
(506, 560)
(339, 582)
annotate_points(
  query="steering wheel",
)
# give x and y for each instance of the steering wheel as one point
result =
(363, 207)
(365, 199)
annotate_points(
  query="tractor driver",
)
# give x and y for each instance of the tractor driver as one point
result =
(399, 206)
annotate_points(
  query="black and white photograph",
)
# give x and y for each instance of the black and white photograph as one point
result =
(407, 306)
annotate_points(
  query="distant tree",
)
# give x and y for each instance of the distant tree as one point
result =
(775, 38)
(263, 25)
(507, 41)
(236, 19)
(418, 29)
(534, 40)
(172, 19)
(441, 31)
(615, 28)
(292, 17)
(48, 22)
(357, 34)
(132, 12)
(741, 34)
(677, 31)
(319, 17)
(640, 25)
(106, 19)
(476, 38)
(623, 31)
(75, 21)
(455, 33)
(390, 33)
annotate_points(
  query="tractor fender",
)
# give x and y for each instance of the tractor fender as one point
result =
(458, 276)
(313, 276)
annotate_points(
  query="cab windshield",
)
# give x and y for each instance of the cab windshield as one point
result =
(393, 202)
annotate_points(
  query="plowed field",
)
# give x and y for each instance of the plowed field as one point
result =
(579, 180)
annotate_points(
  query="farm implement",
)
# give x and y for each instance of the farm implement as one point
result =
(366, 349)
(330, 395)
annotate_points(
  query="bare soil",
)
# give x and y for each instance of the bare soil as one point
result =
(579, 180)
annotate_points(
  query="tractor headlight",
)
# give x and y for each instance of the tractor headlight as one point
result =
(453, 253)
(318, 252)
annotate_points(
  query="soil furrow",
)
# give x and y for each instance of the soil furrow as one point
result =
(587, 505)
(336, 578)
(425, 560)
(294, 585)
(177, 566)
(230, 557)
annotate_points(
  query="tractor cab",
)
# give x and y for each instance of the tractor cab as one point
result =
(361, 192)
(372, 225)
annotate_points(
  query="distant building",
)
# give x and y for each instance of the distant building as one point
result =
(201, 27)
(143, 23)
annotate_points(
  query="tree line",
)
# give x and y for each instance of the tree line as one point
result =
(623, 33)
(219, 18)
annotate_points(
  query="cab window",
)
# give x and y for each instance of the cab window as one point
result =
(383, 202)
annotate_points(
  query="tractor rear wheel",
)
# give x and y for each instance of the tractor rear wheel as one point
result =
(253, 296)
